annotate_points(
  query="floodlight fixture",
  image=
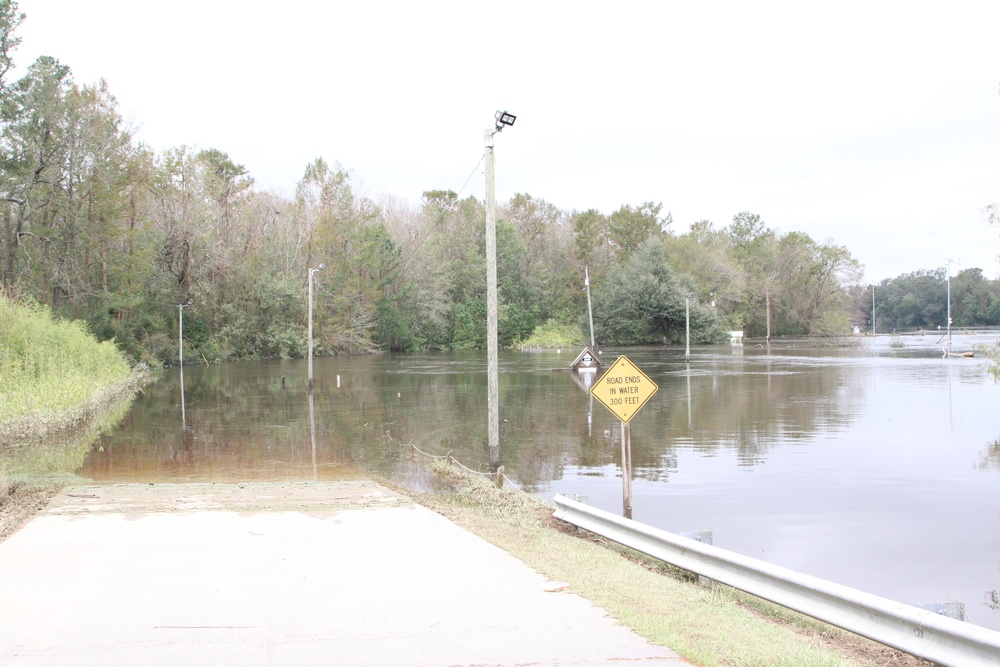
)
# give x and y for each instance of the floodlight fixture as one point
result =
(503, 118)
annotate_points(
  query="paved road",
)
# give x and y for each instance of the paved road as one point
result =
(342, 573)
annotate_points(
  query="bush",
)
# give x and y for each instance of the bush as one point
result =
(49, 366)
(554, 334)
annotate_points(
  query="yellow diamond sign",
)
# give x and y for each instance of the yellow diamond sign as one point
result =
(624, 389)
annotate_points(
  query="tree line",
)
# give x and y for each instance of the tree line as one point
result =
(102, 228)
(919, 300)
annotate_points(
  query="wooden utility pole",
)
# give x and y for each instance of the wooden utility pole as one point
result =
(492, 370)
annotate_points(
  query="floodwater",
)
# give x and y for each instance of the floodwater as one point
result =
(870, 465)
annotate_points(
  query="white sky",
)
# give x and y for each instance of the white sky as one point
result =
(872, 124)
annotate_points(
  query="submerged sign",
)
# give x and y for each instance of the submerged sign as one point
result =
(624, 389)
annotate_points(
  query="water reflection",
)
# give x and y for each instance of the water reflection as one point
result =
(872, 466)
(991, 457)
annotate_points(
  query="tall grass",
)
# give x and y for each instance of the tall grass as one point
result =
(49, 367)
(992, 354)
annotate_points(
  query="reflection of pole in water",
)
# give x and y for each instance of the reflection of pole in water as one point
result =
(312, 433)
(184, 424)
(626, 471)
(590, 417)
(951, 417)
(180, 357)
(689, 394)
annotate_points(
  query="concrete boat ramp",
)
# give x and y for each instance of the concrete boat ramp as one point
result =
(338, 573)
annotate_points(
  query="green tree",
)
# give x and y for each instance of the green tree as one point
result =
(10, 21)
(792, 284)
(629, 227)
(543, 231)
(590, 236)
(338, 234)
(813, 295)
(974, 298)
(420, 313)
(755, 249)
(225, 183)
(34, 152)
(706, 255)
(517, 298)
(643, 301)
(915, 300)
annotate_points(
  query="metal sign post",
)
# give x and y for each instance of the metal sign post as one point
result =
(626, 470)
(624, 389)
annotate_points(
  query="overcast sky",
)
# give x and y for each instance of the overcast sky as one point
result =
(875, 125)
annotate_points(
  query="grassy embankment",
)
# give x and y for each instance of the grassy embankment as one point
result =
(712, 626)
(58, 388)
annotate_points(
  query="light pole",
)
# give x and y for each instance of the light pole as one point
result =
(180, 331)
(590, 311)
(503, 119)
(687, 325)
(311, 273)
(949, 305)
(873, 309)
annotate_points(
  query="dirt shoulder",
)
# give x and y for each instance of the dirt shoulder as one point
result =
(20, 503)
(709, 625)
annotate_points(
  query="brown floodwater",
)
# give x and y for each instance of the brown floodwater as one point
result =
(870, 465)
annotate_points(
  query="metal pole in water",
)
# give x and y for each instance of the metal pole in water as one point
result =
(590, 310)
(873, 310)
(180, 337)
(626, 470)
(949, 305)
(687, 326)
(312, 272)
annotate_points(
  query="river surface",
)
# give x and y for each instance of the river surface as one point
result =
(870, 465)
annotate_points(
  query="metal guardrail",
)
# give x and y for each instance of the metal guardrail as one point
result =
(921, 633)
